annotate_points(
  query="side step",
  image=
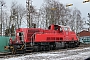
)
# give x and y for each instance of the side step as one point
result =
(29, 47)
(29, 50)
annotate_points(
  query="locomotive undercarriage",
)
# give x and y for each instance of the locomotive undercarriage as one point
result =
(41, 46)
(17, 48)
(46, 46)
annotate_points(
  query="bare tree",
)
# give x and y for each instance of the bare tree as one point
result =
(88, 21)
(21, 13)
(17, 13)
(2, 4)
(30, 13)
(54, 13)
(76, 22)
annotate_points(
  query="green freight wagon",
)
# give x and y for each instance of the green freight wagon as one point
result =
(85, 39)
(4, 41)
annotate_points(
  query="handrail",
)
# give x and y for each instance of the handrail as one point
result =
(32, 38)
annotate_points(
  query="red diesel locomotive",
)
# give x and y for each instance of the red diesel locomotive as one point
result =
(37, 39)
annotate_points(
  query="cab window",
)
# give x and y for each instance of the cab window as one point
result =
(65, 28)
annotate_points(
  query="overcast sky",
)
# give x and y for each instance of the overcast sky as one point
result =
(84, 8)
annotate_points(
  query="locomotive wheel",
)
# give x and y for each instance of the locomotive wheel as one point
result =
(71, 45)
(21, 51)
(47, 47)
(64, 45)
(77, 44)
(54, 46)
(36, 48)
(51, 47)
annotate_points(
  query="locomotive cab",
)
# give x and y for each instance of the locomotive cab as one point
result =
(20, 36)
(59, 28)
(56, 28)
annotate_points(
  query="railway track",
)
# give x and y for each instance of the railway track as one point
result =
(9, 55)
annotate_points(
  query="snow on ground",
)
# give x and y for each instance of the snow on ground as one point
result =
(77, 54)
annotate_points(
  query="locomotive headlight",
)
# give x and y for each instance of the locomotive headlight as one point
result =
(17, 34)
